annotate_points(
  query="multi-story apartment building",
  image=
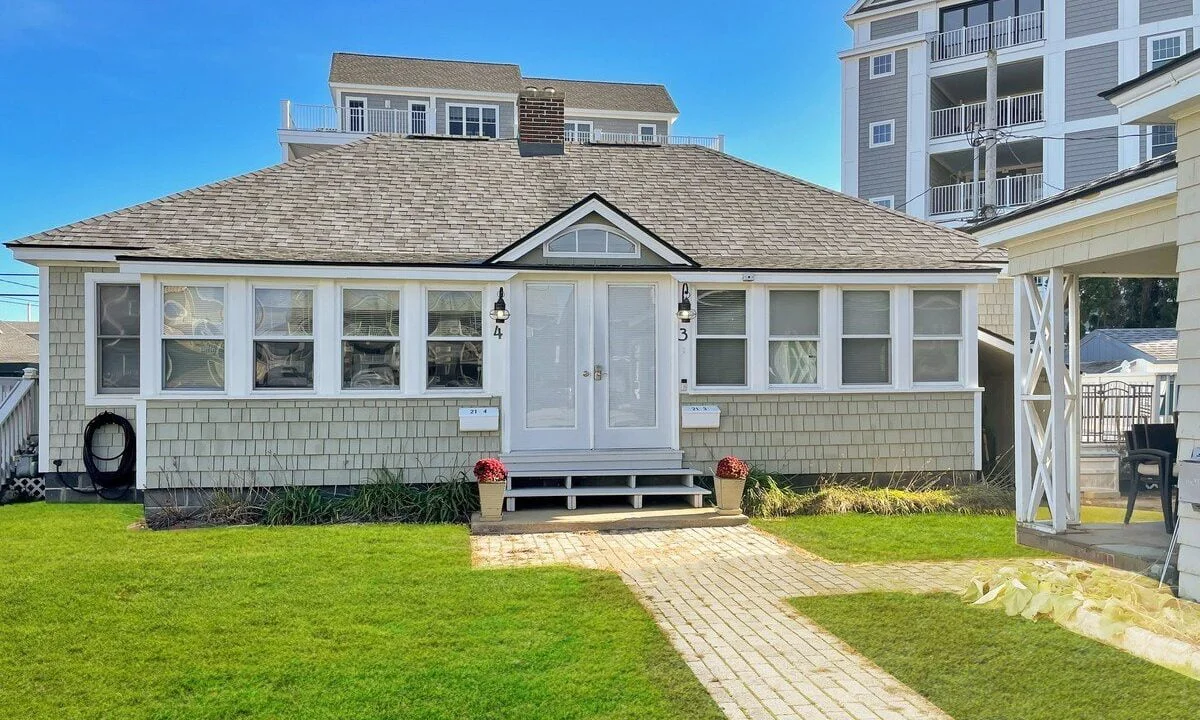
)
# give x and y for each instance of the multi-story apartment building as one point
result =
(415, 96)
(914, 95)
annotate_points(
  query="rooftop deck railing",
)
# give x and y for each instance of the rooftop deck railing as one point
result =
(998, 34)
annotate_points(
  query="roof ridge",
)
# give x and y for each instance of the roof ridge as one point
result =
(598, 82)
(233, 179)
(426, 59)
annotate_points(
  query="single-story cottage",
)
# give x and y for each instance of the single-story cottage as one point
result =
(417, 303)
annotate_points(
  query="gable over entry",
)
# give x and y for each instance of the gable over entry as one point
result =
(596, 232)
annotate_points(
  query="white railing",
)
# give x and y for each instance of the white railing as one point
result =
(18, 420)
(331, 118)
(1013, 191)
(1010, 111)
(998, 34)
(711, 142)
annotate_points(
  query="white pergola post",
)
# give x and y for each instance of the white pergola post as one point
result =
(1046, 368)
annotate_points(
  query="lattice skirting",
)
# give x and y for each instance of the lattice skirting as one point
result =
(33, 487)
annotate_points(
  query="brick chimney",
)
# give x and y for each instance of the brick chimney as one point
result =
(540, 115)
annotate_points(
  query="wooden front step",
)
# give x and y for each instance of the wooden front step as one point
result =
(576, 483)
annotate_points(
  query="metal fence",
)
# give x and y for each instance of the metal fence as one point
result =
(1109, 409)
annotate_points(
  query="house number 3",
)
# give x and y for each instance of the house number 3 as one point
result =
(683, 334)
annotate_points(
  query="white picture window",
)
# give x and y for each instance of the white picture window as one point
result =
(193, 342)
(1165, 48)
(721, 338)
(882, 134)
(866, 337)
(1162, 140)
(370, 339)
(283, 338)
(888, 202)
(472, 120)
(454, 339)
(648, 133)
(118, 338)
(594, 242)
(578, 131)
(795, 334)
(937, 336)
(883, 65)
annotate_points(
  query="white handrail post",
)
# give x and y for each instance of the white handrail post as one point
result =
(721, 143)
(285, 114)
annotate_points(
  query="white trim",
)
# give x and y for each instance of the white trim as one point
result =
(1089, 208)
(44, 369)
(91, 394)
(231, 324)
(547, 252)
(346, 100)
(35, 253)
(994, 342)
(642, 127)
(890, 124)
(769, 337)
(341, 89)
(747, 316)
(343, 338)
(1156, 99)
(398, 273)
(575, 134)
(408, 109)
(140, 469)
(464, 106)
(255, 338)
(847, 278)
(620, 114)
(891, 336)
(424, 338)
(891, 55)
(594, 205)
(884, 201)
(964, 326)
(977, 432)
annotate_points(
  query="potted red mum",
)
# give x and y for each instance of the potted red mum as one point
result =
(730, 481)
(491, 473)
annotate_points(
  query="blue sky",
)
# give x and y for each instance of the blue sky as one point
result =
(108, 104)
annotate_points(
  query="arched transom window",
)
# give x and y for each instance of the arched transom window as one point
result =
(591, 241)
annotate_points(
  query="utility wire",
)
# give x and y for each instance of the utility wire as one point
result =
(21, 284)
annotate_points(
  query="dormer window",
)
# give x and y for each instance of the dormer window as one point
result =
(591, 241)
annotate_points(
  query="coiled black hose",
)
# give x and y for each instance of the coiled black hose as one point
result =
(123, 475)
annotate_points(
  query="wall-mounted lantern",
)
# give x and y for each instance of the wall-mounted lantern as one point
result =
(684, 313)
(499, 311)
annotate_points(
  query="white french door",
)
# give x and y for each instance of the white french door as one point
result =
(590, 364)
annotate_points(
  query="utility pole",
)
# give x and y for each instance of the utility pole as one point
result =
(990, 136)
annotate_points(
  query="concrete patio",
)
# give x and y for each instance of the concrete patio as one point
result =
(1139, 547)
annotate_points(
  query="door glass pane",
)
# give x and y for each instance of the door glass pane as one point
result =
(631, 362)
(550, 355)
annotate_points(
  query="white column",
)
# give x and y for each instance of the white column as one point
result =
(1075, 410)
(1022, 470)
(1057, 422)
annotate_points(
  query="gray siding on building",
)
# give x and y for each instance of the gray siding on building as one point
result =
(1090, 71)
(1085, 17)
(617, 125)
(1090, 154)
(1144, 64)
(882, 170)
(897, 25)
(1155, 10)
(269, 443)
(64, 370)
(838, 433)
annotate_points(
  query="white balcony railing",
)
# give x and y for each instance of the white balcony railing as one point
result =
(1010, 111)
(998, 34)
(1011, 192)
(610, 138)
(331, 118)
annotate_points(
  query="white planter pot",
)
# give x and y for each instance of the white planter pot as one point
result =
(491, 500)
(729, 495)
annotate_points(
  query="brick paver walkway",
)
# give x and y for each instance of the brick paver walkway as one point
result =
(719, 593)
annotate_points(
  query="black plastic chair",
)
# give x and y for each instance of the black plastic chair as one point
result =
(1151, 455)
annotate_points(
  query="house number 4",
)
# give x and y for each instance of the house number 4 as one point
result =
(498, 332)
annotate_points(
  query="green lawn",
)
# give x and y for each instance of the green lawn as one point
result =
(979, 664)
(321, 622)
(856, 537)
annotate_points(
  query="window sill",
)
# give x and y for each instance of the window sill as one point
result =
(111, 400)
(856, 390)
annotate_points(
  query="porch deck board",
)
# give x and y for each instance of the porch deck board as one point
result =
(610, 490)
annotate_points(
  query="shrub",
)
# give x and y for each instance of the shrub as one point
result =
(764, 497)
(225, 506)
(299, 505)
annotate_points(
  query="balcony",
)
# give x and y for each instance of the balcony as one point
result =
(998, 34)
(1011, 192)
(599, 137)
(1010, 111)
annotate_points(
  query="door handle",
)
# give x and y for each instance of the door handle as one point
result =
(587, 373)
(599, 373)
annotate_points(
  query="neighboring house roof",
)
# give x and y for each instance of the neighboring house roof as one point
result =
(18, 342)
(1119, 344)
(1161, 163)
(634, 97)
(864, 5)
(356, 69)
(1163, 69)
(408, 201)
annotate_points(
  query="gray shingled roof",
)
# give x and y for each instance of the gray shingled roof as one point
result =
(1160, 344)
(633, 97)
(18, 342)
(388, 199)
(422, 73)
